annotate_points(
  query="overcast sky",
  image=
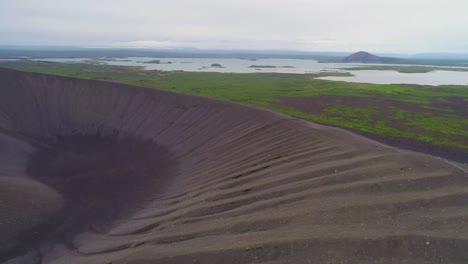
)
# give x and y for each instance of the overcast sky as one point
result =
(406, 26)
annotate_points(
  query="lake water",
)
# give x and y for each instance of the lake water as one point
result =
(391, 77)
(204, 64)
(279, 66)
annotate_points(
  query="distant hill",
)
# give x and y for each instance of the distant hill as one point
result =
(363, 57)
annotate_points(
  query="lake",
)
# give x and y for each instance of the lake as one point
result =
(391, 77)
(204, 64)
(299, 66)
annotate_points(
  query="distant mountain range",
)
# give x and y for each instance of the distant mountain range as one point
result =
(32, 49)
(13, 51)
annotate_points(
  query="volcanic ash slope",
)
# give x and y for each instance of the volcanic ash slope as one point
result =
(97, 172)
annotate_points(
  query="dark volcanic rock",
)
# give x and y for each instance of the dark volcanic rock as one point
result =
(363, 57)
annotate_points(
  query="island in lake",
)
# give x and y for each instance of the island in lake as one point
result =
(269, 66)
(157, 62)
(153, 61)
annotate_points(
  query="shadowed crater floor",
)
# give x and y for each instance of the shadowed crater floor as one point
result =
(100, 172)
(100, 177)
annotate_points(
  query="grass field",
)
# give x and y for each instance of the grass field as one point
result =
(433, 114)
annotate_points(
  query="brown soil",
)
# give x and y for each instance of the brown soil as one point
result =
(149, 176)
(456, 103)
(386, 110)
(317, 104)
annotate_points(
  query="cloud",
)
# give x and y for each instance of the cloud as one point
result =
(347, 25)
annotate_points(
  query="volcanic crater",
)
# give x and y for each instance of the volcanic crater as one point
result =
(101, 172)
